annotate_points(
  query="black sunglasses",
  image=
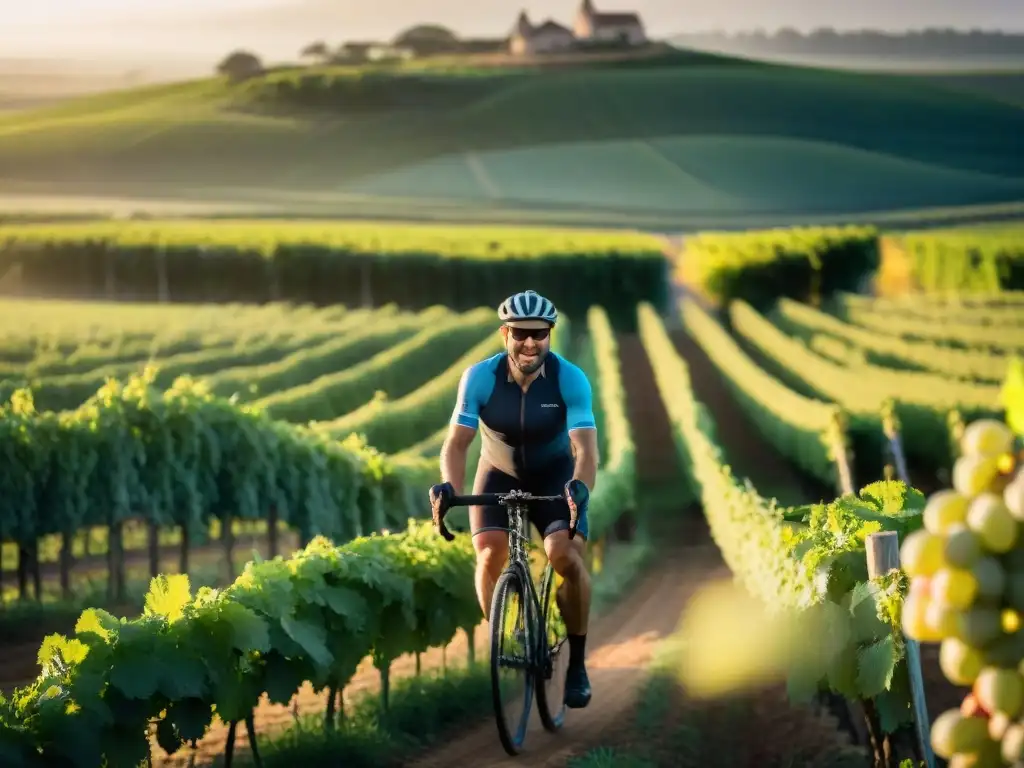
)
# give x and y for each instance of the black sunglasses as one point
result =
(522, 334)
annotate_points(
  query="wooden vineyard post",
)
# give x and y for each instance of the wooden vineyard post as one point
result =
(839, 450)
(891, 428)
(883, 555)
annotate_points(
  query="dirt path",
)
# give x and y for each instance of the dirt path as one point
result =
(656, 458)
(749, 454)
(620, 645)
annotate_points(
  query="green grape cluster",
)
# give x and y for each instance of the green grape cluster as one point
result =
(966, 569)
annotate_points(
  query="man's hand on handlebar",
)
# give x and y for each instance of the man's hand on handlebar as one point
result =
(576, 496)
(441, 496)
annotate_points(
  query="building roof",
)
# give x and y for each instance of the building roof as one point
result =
(615, 19)
(550, 26)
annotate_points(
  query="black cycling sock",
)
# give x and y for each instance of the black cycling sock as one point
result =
(577, 649)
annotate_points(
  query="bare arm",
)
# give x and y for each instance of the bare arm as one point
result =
(453, 456)
(584, 445)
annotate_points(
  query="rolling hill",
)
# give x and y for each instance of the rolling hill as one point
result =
(688, 138)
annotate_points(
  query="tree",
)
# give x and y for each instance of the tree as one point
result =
(317, 51)
(426, 39)
(240, 65)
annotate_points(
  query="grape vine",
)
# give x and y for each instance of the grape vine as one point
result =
(189, 658)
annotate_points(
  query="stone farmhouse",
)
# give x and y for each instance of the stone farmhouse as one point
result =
(590, 25)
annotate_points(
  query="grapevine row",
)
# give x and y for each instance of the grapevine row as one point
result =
(885, 349)
(807, 562)
(353, 263)
(190, 658)
(923, 400)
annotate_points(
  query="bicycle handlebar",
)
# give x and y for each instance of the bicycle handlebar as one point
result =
(502, 499)
(490, 499)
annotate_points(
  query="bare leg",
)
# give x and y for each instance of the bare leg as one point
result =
(491, 556)
(573, 595)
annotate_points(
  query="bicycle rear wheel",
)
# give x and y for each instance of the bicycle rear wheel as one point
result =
(554, 660)
(512, 679)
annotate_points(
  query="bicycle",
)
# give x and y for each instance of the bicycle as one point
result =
(542, 650)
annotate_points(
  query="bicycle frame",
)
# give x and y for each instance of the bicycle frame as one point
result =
(537, 663)
(517, 504)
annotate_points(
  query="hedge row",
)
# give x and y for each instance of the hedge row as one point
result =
(758, 267)
(328, 263)
(981, 260)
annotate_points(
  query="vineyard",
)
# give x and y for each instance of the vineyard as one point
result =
(311, 432)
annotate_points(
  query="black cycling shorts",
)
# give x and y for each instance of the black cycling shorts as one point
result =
(546, 516)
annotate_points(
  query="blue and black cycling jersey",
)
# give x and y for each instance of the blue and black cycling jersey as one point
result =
(525, 434)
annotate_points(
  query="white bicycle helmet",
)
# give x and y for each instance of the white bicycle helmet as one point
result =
(527, 309)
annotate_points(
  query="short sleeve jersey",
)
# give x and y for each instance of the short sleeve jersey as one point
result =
(525, 434)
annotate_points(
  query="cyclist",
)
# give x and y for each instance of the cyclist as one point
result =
(533, 409)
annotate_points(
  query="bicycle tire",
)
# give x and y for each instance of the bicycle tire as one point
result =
(554, 659)
(510, 583)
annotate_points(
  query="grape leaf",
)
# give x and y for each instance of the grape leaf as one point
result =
(191, 717)
(864, 608)
(167, 737)
(249, 631)
(842, 675)
(135, 674)
(98, 622)
(183, 676)
(126, 749)
(876, 665)
(168, 596)
(894, 497)
(310, 637)
(895, 708)
(1011, 395)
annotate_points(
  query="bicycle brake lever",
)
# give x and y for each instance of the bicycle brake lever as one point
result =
(445, 533)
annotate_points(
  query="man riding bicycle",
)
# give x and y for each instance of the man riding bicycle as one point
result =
(534, 411)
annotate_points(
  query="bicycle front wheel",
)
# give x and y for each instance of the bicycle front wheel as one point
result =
(554, 653)
(512, 679)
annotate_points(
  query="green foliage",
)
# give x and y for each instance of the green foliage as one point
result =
(1011, 396)
(187, 658)
(974, 261)
(331, 262)
(922, 399)
(615, 487)
(881, 348)
(758, 267)
(959, 335)
(795, 425)
(398, 370)
(44, 339)
(809, 561)
(184, 457)
(58, 393)
(391, 426)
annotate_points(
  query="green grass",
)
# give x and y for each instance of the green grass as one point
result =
(695, 139)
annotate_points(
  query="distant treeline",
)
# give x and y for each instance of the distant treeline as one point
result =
(827, 41)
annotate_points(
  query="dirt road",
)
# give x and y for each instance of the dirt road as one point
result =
(620, 645)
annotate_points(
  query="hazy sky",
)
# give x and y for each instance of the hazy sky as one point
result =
(206, 29)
